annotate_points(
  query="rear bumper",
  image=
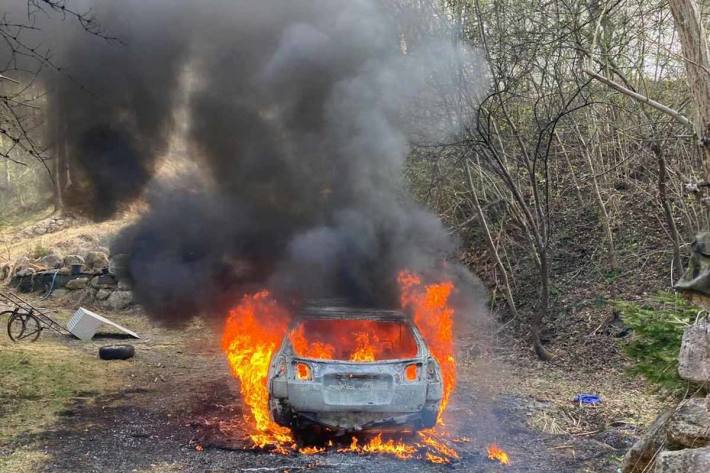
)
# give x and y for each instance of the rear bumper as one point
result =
(354, 421)
(336, 401)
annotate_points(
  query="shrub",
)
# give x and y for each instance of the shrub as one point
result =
(39, 251)
(657, 332)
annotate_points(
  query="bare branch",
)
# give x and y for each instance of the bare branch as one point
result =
(641, 98)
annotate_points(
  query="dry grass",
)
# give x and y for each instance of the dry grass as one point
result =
(12, 248)
(23, 460)
(39, 380)
(546, 422)
(626, 400)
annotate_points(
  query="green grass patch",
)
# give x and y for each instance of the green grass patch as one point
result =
(38, 381)
(20, 217)
(39, 250)
(654, 345)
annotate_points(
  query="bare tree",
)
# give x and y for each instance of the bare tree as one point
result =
(696, 54)
(22, 100)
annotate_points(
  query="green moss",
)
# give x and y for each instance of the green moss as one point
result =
(654, 345)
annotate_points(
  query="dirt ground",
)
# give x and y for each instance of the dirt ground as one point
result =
(158, 411)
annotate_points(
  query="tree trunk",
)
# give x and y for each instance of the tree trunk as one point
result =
(4, 177)
(491, 244)
(663, 199)
(694, 44)
(59, 168)
(543, 308)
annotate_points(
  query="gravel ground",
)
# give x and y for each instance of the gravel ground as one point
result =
(160, 417)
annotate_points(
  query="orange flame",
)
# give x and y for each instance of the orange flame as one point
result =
(434, 318)
(255, 327)
(496, 453)
(364, 350)
(252, 332)
(400, 450)
(311, 450)
(352, 340)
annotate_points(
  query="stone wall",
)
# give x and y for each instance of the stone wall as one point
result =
(679, 440)
(85, 277)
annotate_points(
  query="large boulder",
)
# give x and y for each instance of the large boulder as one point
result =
(24, 272)
(690, 460)
(96, 260)
(103, 294)
(643, 452)
(694, 357)
(119, 300)
(697, 276)
(71, 260)
(23, 262)
(51, 261)
(689, 426)
(78, 283)
(103, 281)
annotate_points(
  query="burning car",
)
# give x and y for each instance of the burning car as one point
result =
(350, 369)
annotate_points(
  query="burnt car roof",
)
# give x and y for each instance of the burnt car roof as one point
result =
(324, 310)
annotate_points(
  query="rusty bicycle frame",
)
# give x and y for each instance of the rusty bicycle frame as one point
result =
(26, 322)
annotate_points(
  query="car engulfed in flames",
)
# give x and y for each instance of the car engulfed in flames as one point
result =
(347, 369)
(351, 369)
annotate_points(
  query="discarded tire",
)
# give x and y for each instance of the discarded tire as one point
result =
(116, 352)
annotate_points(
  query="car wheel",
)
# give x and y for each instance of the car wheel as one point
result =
(305, 436)
(116, 352)
(428, 417)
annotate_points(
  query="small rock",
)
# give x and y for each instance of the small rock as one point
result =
(694, 357)
(103, 281)
(51, 261)
(5, 270)
(102, 294)
(39, 230)
(61, 292)
(25, 272)
(690, 460)
(96, 260)
(689, 426)
(119, 300)
(70, 260)
(638, 458)
(21, 263)
(78, 283)
(85, 296)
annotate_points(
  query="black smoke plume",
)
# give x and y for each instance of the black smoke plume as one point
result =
(299, 115)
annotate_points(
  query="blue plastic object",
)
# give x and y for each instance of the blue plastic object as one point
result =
(588, 399)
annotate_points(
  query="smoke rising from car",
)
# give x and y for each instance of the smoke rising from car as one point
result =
(300, 117)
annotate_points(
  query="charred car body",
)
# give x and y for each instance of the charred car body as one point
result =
(351, 369)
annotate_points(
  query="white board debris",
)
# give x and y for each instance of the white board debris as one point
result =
(84, 324)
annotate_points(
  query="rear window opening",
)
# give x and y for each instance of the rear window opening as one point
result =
(353, 340)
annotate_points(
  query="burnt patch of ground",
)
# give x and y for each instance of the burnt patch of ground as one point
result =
(174, 407)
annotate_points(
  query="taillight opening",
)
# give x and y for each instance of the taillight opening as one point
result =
(411, 373)
(302, 371)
